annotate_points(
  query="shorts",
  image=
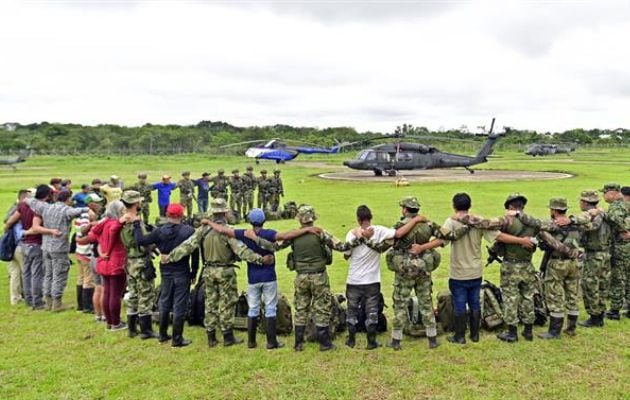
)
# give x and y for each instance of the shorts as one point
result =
(96, 278)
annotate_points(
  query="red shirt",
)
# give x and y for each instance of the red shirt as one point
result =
(26, 218)
(107, 235)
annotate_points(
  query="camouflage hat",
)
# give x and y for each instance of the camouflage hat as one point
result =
(131, 197)
(514, 196)
(558, 203)
(93, 198)
(142, 176)
(611, 187)
(219, 206)
(114, 178)
(410, 202)
(249, 168)
(235, 171)
(263, 171)
(276, 171)
(306, 214)
(589, 196)
(186, 173)
(220, 171)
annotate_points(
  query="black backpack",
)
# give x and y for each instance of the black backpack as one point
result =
(197, 305)
(381, 326)
(8, 244)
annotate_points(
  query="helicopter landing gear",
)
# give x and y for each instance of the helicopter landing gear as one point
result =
(391, 172)
(378, 172)
(470, 170)
(257, 162)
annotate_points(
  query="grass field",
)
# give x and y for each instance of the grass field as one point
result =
(68, 356)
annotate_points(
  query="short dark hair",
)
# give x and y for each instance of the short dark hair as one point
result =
(64, 195)
(364, 213)
(42, 192)
(462, 202)
(55, 181)
(517, 203)
(625, 190)
(22, 192)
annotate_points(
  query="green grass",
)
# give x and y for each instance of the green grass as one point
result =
(68, 356)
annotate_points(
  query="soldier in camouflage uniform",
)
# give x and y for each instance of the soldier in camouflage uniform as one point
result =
(186, 193)
(145, 190)
(309, 257)
(236, 193)
(618, 216)
(139, 286)
(218, 189)
(276, 190)
(219, 255)
(249, 186)
(263, 190)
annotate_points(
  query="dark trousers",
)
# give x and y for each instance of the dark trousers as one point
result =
(113, 287)
(465, 292)
(162, 208)
(174, 292)
(355, 294)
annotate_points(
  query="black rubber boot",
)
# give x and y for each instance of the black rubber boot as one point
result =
(475, 324)
(527, 332)
(601, 318)
(229, 339)
(88, 306)
(323, 335)
(164, 320)
(212, 338)
(395, 344)
(252, 324)
(178, 333)
(571, 325)
(591, 322)
(613, 315)
(299, 338)
(79, 297)
(433, 343)
(460, 330)
(510, 336)
(372, 343)
(146, 328)
(352, 335)
(132, 323)
(272, 337)
(555, 326)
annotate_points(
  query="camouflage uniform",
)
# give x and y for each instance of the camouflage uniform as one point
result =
(275, 190)
(263, 190)
(218, 189)
(186, 193)
(236, 193)
(249, 185)
(145, 190)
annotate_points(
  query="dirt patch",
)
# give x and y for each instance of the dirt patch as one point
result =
(450, 175)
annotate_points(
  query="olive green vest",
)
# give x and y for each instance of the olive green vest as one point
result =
(308, 255)
(570, 238)
(129, 241)
(216, 249)
(421, 233)
(515, 251)
(598, 240)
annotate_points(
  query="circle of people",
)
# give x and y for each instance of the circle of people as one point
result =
(114, 248)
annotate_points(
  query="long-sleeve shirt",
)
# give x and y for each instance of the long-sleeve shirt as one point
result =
(107, 234)
(166, 238)
(164, 192)
(617, 216)
(203, 188)
(56, 216)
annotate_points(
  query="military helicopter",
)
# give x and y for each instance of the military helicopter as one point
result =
(280, 152)
(541, 149)
(24, 154)
(393, 157)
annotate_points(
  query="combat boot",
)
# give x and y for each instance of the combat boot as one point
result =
(510, 336)
(164, 320)
(460, 330)
(146, 327)
(600, 318)
(178, 333)
(527, 332)
(88, 306)
(555, 326)
(571, 325)
(433, 343)
(132, 323)
(252, 323)
(323, 335)
(48, 303)
(79, 297)
(613, 315)
(475, 324)
(395, 344)
(212, 338)
(372, 343)
(229, 339)
(591, 322)
(58, 306)
(271, 331)
(352, 335)
(299, 338)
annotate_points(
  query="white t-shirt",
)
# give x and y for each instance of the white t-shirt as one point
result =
(365, 263)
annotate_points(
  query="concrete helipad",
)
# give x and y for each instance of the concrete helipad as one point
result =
(446, 175)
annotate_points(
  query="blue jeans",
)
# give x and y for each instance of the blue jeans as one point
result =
(269, 293)
(202, 205)
(465, 292)
(174, 292)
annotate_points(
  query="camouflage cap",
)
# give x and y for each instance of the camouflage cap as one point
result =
(93, 198)
(276, 171)
(235, 171)
(186, 173)
(514, 196)
(263, 171)
(114, 178)
(611, 187)
(220, 171)
(131, 197)
(219, 206)
(558, 203)
(142, 176)
(249, 168)
(410, 202)
(589, 196)
(306, 214)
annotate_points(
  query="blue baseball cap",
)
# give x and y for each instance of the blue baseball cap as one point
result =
(256, 216)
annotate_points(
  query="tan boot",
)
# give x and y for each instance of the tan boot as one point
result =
(48, 303)
(58, 306)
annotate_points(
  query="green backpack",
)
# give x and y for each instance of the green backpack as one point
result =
(491, 306)
(337, 319)
(445, 311)
(284, 317)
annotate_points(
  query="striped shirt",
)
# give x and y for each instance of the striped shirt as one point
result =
(56, 216)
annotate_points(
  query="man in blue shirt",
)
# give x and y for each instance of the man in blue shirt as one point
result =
(79, 198)
(164, 190)
(203, 187)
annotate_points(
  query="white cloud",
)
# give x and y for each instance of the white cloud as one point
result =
(371, 65)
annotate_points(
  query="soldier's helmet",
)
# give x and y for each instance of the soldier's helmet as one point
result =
(590, 196)
(219, 206)
(306, 214)
(263, 172)
(512, 197)
(276, 171)
(131, 197)
(235, 171)
(220, 171)
(410, 202)
(142, 176)
(558, 203)
(611, 187)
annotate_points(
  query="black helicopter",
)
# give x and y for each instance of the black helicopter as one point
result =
(393, 157)
(538, 149)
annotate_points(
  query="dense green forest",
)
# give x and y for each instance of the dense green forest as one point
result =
(208, 136)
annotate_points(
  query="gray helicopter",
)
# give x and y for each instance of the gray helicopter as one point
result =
(11, 161)
(392, 157)
(542, 149)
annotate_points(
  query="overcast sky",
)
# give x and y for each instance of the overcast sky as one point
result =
(371, 65)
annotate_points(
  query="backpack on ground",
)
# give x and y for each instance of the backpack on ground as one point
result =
(240, 312)
(381, 325)
(197, 304)
(491, 306)
(337, 319)
(284, 317)
(414, 326)
(540, 304)
(445, 314)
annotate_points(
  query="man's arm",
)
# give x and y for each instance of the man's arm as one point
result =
(295, 233)
(141, 239)
(525, 242)
(37, 206)
(616, 215)
(13, 219)
(186, 247)
(421, 248)
(338, 245)
(38, 229)
(244, 253)
(558, 246)
(73, 212)
(405, 229)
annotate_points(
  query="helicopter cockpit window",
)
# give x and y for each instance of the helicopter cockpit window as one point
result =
(368, 155)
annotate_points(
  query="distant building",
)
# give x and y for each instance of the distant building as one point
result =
(9, 126)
